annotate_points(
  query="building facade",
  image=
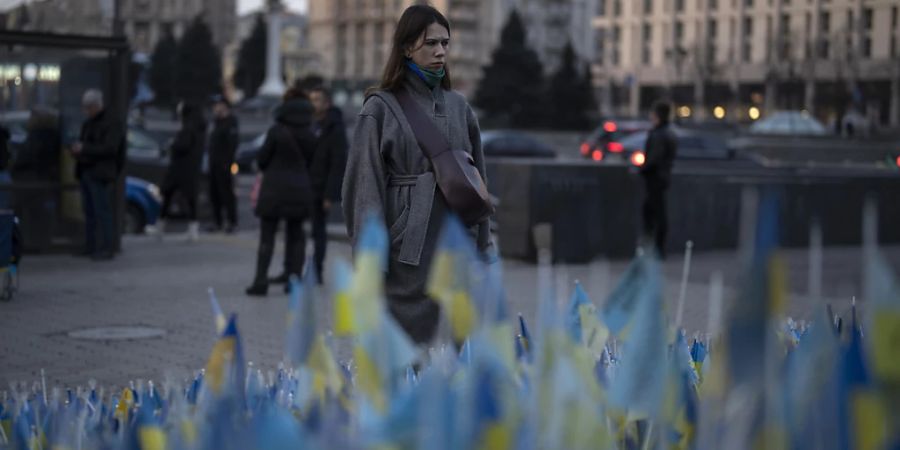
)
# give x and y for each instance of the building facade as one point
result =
(143, 21)
(353, 39)
(551, 24)
(147, 21)
(731, 56)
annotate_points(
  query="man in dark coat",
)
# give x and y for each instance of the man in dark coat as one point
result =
(327, 170)
(286, 190)
(661, 148)
(223, 143)
(100, 156)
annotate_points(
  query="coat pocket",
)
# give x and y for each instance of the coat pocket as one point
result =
(398, 212)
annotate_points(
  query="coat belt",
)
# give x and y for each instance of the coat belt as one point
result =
(422, 188)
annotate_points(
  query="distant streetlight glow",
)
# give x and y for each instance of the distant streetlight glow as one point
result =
(753, 112)
(719, 112)
(684, 111)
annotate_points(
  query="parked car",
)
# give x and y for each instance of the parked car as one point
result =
(692, 145)
(510, 143)
(795, 123)
(143, 202)
(607, 138)
(245, 157)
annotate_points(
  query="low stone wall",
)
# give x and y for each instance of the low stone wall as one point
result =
(594, 209)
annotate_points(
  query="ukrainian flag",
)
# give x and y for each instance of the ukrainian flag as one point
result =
(225, 368)
(453, 279)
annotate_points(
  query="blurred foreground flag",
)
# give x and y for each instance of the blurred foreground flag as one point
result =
(453, 279)
(225, 369)
(639, 382)
(359, 300)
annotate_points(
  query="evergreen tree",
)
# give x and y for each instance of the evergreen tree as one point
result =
(510, 92)
(162, 71)
(570, 94)
(251, 63)
(198, 67)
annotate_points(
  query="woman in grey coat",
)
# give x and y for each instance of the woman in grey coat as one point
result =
(388, 174)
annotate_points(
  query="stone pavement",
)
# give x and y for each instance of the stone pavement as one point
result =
(163, 285)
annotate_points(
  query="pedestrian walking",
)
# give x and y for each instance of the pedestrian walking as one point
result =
(327, 169)
(390, 175)
(661, 148)
(223, 143)
(286, 189)
(100, 158)
(186, 158)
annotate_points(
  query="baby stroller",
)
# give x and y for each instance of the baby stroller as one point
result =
(10, 254)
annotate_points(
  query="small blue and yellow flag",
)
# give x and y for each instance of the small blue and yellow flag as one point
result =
(225, 368)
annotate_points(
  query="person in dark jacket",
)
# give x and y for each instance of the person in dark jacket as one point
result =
(100, 155)
(286, 190)
(327, 170)
(38, 160)
(223, 143)
(656, 171)
(186, 158)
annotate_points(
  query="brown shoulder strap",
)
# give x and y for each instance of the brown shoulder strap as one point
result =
(427, 134)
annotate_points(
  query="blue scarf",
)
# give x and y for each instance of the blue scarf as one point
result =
(432, 78)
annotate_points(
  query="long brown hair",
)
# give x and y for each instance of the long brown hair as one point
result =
(413, 24)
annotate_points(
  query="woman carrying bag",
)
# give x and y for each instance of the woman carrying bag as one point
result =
(415, 158)
(285, 192)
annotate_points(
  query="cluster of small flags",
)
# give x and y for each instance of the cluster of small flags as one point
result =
(616, 377)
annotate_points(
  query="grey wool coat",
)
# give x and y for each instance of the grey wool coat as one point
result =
(388, 175)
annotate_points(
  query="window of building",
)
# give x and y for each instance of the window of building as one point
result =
(648, 7)
(850, 20)
(748, 3)
(359, 60)
(732, 30)
(647, 34)
(340, 56)
(824, 48)
(679, 5)
(617, 8)
(712, 4)
(825, 22)
(894, 18)
(616, 35)
(867, 47)
(600, 54)
(785, 24)
(747, 42)
(601, 8)
(679, 32)
(867, 19)
(894, 47)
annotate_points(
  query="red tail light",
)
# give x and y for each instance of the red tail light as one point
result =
(615, 147)
(898, 161)
(638, 158)
(585, 148)
(597, 155)
(610, 127)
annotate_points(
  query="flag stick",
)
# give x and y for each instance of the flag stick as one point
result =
(714, 318)
(685, 273)
(814, 283)
(647, 437)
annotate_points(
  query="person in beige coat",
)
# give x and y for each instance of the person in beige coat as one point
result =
(389, 175)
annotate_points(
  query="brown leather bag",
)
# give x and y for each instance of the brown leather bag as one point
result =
(454, 170)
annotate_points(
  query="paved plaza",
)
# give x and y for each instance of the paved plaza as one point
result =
(163, 286)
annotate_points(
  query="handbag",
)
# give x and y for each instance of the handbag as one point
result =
(454, 170)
